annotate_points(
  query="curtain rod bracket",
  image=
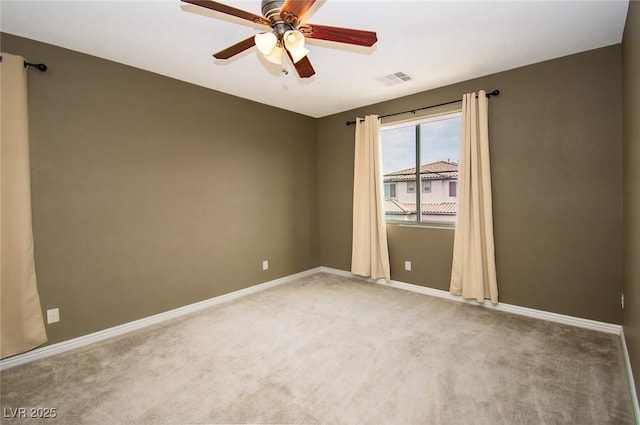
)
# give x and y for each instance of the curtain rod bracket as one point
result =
(39, 66)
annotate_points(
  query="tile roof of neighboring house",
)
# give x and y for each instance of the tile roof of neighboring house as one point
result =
(448, 208)
(434, 171)
(392, 206)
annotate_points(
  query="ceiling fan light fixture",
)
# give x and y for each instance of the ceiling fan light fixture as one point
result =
(266, 42)
(275, 56)
(286, 32)
(294, 42)
(293, 39)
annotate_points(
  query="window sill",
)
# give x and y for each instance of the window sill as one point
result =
(431, 225)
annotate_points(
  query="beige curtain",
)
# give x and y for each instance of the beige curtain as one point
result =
(21, 322)
(370, 254)
(473, 273)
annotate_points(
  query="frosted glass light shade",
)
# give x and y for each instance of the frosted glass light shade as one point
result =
(275, 56)
(293, 39)
(265, 42)
(294, 42)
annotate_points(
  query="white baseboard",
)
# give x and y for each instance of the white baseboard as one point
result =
(634, 394)
(61, 347)
(523, 311)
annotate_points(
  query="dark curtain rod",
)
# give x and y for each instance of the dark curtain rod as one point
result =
(413, 111)
(39, 66)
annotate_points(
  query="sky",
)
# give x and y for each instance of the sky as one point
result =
(440, 141)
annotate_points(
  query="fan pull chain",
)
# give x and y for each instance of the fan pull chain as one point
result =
(284, 67)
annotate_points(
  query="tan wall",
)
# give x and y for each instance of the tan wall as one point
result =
(150, 193)
(631, 130)
(556, 124)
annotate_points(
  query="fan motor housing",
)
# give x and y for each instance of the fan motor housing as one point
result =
(271, 9)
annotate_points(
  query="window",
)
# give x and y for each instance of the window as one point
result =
(423, 152)
(390, 190)
(453, 189)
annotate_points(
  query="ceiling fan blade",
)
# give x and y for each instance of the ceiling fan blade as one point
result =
(223, 8)
(235, 49)
(293, 10)
(341, 35)
(303, 66)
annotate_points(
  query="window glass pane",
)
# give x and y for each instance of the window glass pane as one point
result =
(399, 167)
(440, 139)
(439, 153)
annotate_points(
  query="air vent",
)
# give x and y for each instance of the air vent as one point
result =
(395, 78)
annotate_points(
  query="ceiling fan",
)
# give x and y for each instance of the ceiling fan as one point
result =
(287, 32)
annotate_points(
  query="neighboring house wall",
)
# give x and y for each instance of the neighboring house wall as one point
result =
(444, 191)
(403, 192)
(554, 124)
(439, 192)
(631, 123)
(151, 193)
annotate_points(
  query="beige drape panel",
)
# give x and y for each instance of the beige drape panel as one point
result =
(473, 273)
(21, 323)
(370, 254)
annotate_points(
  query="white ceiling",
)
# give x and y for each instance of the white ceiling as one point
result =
(435, 42)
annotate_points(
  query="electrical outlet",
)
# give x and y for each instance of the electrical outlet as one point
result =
(265, 265)
(622, 300)
(53, 315)
(407, 265)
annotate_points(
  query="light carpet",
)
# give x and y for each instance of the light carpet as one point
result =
(327, 349)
